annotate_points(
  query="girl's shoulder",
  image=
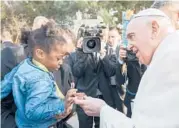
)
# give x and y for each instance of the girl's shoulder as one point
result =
(30, 73)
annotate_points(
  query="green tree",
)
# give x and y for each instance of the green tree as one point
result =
(16, 14)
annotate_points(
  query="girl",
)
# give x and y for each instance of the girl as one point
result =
(38, 100)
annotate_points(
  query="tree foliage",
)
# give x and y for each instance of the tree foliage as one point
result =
(16, 14)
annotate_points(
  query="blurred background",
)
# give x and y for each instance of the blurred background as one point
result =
(18, 14)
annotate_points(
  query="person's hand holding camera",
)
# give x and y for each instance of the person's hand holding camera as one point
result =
(122, 52)
(79, 43)
(102, 53)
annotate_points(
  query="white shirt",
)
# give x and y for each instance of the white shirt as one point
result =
(157, 100)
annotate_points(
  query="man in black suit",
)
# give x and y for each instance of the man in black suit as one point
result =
(86, 71)
(116, 79)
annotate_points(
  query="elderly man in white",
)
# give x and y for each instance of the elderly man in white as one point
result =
(156, 44)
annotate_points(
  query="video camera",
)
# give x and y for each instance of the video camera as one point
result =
(91, 38)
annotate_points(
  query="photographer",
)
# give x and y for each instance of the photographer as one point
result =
(86, 70)
(108, 69)
(116, 79)
(92, 69)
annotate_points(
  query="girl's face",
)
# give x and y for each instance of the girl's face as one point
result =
(54, 59)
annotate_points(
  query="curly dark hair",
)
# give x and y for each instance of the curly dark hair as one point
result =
(44, 37)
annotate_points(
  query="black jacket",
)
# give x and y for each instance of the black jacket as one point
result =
(70, 60)
(89, 78)
(108, 70)
(134, 72)
(117, 77)
(87, 72)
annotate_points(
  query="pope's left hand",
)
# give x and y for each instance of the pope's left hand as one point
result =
(91, 106)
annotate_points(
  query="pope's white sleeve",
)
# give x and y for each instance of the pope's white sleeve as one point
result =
(111, 118)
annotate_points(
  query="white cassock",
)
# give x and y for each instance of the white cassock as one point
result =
(157, 100)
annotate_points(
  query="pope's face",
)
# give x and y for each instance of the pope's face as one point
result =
(139, 37)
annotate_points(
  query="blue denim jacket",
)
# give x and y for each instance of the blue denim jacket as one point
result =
(34, 94)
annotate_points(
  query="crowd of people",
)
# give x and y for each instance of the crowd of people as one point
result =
(47, 77)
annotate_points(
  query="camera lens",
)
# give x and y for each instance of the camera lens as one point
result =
(91, 44)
